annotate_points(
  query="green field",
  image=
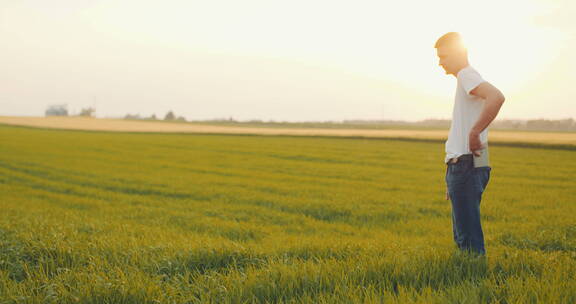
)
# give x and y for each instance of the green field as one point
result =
(95, 217)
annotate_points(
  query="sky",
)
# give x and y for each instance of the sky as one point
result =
(298, 60)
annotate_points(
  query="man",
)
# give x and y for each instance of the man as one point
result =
(477, 103)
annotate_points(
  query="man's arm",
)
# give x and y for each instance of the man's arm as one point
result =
(493, 101)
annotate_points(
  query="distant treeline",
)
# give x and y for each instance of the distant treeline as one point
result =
(506, 124)
(503, 124)
(170, 116)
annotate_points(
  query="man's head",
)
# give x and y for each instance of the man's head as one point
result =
(451, 52)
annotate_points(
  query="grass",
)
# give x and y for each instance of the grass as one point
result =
(90, 217)
(553, 140)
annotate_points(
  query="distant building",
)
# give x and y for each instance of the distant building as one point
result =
(57, 110)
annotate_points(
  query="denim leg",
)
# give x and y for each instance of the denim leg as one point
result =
(454, 231)
(465, 187)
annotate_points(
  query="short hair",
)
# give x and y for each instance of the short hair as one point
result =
(451, 39)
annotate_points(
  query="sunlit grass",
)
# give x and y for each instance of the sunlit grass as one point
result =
(146, 218)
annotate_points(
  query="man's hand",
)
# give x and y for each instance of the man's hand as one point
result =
(474, 142)
(447, 196)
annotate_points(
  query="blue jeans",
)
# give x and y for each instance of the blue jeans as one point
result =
(465, 187)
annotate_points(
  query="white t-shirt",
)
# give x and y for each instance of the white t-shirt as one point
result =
(467, 110)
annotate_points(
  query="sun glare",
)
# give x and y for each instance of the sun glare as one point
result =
(371, 40)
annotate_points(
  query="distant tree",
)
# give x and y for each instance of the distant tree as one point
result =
(87, 112)
(130, 116)
(152, 117)
(181, 118)
(170, 116)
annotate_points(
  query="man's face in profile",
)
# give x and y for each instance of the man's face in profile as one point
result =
(446, 58)
(451, 58)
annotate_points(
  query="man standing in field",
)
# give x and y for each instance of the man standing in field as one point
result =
(477, 103)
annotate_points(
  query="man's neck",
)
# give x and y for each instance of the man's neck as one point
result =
(465, 65)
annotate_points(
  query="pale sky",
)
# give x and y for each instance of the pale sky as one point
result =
(282, 60)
